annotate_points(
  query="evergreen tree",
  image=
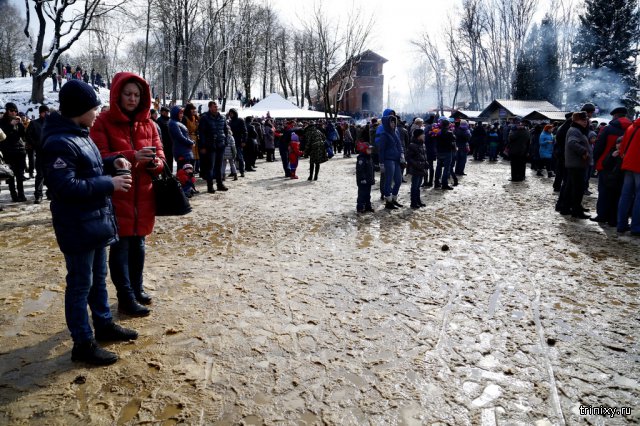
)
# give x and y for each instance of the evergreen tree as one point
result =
(547, 62)
(537, 70)
(603, 52)
(525, 86)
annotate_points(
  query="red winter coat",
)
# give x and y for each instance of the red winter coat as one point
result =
(631, 159)
(115, 133)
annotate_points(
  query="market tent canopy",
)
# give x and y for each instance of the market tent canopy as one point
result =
(278, 107)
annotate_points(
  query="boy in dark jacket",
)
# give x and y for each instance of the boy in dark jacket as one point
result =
(364, 177)
(83, 218)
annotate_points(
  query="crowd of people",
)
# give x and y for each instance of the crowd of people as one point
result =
(98, 167)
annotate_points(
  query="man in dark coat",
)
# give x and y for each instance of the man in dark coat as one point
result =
(239, 131)
(34, 138)
(167, 142)
(518, 147)
(212, 130)
(607, 205)
(14, 150)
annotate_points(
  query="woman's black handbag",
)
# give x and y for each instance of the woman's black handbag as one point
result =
(170, 198)
(5, 170)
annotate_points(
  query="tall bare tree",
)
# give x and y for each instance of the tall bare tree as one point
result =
(337, 49)
(13, 45)
(435, 61)
(68, 19)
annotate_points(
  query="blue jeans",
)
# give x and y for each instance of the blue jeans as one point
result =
(461, 159)
(126, 263)
(240, 158)
(364, 197)
(493, 151)
(416, 182)
(86, 284)
(392, 173)
(443, 168)
(629, 202)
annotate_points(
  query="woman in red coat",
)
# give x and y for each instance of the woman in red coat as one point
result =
(127, 129)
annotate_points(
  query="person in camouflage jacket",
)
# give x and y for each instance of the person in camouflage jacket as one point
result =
(315, 148)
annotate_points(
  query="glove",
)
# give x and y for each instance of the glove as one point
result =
(402, 160)
(381, 168)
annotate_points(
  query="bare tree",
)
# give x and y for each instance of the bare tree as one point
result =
(435, 61)
(12, 43)
(68, 19)
(337, 50)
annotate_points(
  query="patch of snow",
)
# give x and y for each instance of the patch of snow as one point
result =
(18, 91)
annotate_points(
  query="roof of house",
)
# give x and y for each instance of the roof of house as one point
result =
(518, 108)
(546, 115)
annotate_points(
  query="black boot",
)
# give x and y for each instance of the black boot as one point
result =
(91, 353)
(235, 176)
(396, 203)
(210, 189)
(390, 206)
(113, 332)
(132, 308)
(143, 297)
(221, 187)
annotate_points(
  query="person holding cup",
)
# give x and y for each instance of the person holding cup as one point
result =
(127, 129)
(83, 220)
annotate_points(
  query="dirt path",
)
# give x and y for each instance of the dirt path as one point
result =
(275, 304)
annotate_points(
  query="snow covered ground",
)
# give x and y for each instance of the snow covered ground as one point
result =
(18, 91)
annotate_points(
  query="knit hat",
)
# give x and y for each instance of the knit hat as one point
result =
(76, 98)
(10, 105)
(187, 166)
(294, 137)
(43, 108)
(417, 133)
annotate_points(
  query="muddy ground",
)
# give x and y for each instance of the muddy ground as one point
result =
(275, 304)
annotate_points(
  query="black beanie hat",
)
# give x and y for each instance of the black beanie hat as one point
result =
(417, 133)
(10, 105)
(76, 98)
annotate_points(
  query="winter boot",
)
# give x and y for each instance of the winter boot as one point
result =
(91, 353)
(235, 176)
(388, 205)
(113, 332)
(221, 187)
(395, 202)
(210, 189)
(132, 308)
(142, 296)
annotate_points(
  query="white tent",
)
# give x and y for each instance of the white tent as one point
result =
(278, 107)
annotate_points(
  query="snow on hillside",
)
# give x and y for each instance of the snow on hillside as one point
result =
(18, 91)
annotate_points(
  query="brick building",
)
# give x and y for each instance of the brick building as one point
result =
(365, 97)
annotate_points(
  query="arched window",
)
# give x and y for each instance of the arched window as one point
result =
(365, 101)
